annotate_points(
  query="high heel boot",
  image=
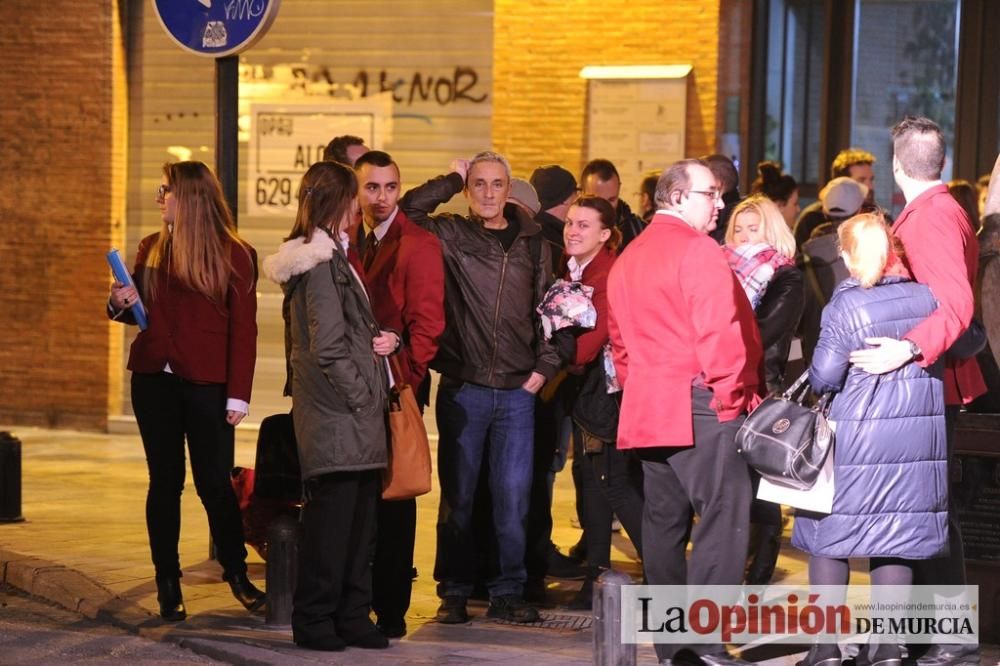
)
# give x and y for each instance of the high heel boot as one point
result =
(168, 594)
(249, 596)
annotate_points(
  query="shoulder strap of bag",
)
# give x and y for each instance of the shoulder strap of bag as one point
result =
(397, 371)
(798, 389)
(813, 281)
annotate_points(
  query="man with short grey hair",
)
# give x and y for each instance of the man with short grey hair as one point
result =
(493, 360)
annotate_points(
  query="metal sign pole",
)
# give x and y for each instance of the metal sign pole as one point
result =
(227, 95)
(227, 167)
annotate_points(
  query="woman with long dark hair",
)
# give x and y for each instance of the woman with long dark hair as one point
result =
(338, 386)
(192, 370)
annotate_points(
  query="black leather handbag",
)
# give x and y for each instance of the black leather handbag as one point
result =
(785, 440)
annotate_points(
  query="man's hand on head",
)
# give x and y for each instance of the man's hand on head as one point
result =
(885, 355)
(461, 167)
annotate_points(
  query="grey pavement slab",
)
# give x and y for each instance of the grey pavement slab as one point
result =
(34, 632)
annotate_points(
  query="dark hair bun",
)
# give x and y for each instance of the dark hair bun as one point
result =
(770, 172)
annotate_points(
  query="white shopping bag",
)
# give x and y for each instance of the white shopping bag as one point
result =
(819, 498)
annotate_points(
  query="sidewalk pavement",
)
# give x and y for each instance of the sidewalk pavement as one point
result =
(83, 546)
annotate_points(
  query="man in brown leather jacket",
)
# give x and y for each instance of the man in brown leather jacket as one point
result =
(493, 361)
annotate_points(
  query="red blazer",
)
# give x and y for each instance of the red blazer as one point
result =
(942, 252)
(595, 274)
(202, 343)
(678, 315)
(406, 287)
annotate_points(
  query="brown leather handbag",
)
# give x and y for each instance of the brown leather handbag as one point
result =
(408, 473)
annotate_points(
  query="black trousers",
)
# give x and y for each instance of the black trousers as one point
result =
(950, 569)
(392, 569)
(708, 479)
(611, 484)
(538, 531)
(333, 593)
(169, 409)
(765, 537)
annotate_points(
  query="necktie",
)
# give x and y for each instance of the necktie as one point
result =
(355, 261)
(371, 247)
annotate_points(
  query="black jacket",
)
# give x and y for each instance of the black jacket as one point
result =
(491, 334)
(811, 217)
(778, 318)
(823, 269)
(631, 225)
(552, 232)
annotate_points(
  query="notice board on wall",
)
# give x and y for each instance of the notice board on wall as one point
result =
(636, 117)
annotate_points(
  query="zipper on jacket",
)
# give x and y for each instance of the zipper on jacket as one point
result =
(496, 313)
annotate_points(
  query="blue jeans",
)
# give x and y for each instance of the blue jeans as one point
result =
(477, 422)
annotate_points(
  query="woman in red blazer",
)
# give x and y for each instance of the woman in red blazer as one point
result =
(192, 369)
(610, 479)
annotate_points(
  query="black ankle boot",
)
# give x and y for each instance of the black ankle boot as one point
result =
(245, 592)
(584, 599)
(168, 594)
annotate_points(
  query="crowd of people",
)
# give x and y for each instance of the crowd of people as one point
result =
(560, 321)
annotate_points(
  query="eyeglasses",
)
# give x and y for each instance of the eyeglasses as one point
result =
(161, 191)
(714, 195)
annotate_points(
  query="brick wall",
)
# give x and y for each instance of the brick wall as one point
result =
(539, 102)
(62, 163)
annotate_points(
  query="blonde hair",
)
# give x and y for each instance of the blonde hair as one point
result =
(866, 243)
(776, 231)
(196, 247)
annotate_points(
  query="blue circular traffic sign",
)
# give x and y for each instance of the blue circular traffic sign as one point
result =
(216, 28)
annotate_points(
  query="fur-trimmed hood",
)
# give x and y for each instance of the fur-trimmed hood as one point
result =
(295, 257)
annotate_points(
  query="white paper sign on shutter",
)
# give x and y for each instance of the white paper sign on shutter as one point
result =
(286, 139)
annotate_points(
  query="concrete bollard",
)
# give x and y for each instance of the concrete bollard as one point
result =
(10, 479)
(282, 569)
(608, 647)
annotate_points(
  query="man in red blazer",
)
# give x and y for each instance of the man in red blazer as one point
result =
(404, 272)
(942, 252)
(687, 353)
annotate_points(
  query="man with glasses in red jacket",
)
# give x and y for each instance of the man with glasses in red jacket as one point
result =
(687, 353)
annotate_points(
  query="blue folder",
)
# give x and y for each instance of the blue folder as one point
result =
(122, 275)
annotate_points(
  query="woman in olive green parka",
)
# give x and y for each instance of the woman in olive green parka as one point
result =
(338, 382)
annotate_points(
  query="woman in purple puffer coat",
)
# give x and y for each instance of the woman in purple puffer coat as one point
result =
(890, 472)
